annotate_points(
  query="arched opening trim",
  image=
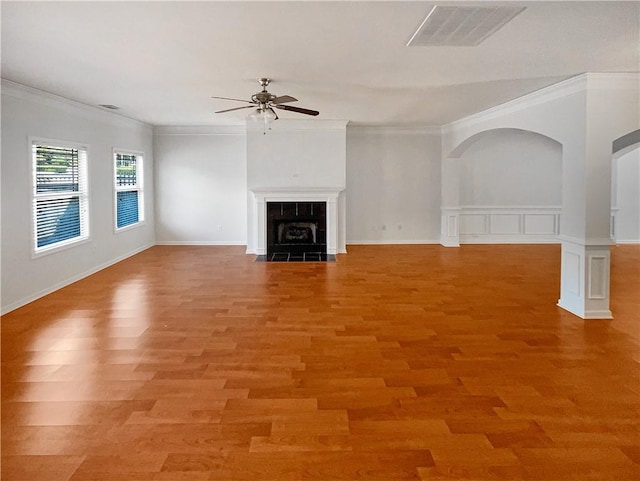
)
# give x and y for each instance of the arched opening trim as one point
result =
(464, 145)
(626, 143)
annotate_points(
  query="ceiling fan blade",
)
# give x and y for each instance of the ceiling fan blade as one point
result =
(236, 100)
(235, 108)
(283, 99)
(297, 109)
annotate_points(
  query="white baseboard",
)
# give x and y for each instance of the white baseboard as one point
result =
(201, 243)
(26, 300)
(581, 313)
(391, 242)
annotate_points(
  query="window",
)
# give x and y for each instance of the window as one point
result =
(60, 200)
(128, 189)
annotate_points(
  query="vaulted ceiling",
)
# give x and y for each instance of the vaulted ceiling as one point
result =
(160, 62)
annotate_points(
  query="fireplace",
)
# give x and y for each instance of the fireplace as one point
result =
(296, 228)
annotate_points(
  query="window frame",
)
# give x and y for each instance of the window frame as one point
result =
(82, 193)
(138, 187)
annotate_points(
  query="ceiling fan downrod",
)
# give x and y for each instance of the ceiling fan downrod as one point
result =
(263, 98)
(264, 83)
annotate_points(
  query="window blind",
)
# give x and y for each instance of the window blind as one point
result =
(128, 186)
(126, 169)
(59, 200)
(127, 206)
(57, 169)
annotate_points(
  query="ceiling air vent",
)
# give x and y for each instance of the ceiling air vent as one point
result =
(460, 26)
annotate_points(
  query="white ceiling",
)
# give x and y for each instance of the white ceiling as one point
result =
(160, 62)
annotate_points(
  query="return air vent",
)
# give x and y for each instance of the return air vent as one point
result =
(461, 26)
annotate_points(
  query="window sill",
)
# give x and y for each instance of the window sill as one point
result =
(53, 249)
(119, 230)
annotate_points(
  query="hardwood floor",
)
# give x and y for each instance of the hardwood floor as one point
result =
(393, 363)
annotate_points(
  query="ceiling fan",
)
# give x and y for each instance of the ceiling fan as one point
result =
(264, 102)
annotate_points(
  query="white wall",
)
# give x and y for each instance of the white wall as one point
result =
(201, 185)
(30, 113)
(511, 168)
(393, 185)
(296, 154)
(627, 196)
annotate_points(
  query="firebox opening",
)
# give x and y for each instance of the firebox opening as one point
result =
(296, 229)
(296, 232)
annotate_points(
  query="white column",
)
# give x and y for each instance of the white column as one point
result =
(586, 210)
(450, 203)
(584, 278)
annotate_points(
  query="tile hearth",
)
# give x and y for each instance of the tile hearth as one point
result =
(297, 257)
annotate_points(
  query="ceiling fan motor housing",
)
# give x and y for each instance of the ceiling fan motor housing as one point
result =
(263, 97)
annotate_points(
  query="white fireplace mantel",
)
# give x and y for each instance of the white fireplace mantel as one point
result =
(262, 195)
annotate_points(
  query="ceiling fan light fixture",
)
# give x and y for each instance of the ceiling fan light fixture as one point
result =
(262, 117)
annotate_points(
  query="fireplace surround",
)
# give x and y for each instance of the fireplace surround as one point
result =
(259, 222)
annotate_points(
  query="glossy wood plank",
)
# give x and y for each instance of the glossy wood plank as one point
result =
(395, 362)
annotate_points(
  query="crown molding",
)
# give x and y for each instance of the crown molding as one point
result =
(552, 92)
(41, 97)
(393, 129)
(281, 125)
(289, 125)
(200, 130)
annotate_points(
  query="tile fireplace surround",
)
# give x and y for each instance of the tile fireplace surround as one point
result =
(311, 194)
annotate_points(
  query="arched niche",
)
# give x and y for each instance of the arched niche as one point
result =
(510, 168)
(504, 185)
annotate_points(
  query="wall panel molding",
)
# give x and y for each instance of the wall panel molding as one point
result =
(509, 225)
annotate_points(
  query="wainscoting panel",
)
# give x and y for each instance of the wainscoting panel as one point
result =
(504, 224)
(573, 273)
(473, 224)
(509, 225)
(540, 224)
(597, 277)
